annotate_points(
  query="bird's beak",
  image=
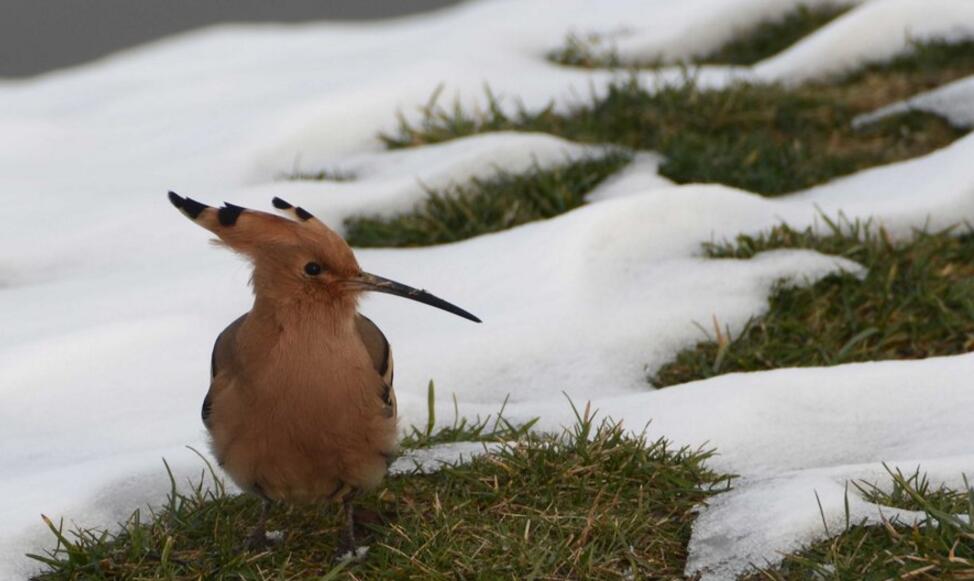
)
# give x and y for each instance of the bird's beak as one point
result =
(371, 282)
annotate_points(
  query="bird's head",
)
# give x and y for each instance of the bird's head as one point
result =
(298, 260)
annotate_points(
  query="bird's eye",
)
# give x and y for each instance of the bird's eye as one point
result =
(312, 268)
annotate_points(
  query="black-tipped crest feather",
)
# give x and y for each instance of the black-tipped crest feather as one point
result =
(298, 211)
(229, 213)
(188, 206)
(281, 204)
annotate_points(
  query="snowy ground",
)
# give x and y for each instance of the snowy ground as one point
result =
(109, 300)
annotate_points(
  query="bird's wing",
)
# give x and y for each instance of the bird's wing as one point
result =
(381, 354)
(220, 359)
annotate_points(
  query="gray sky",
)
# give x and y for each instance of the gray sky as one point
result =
(40, 35)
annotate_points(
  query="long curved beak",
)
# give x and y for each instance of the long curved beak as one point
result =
(371, 282)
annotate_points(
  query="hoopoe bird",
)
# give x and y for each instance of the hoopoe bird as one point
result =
(301, 407)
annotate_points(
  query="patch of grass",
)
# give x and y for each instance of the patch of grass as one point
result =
(906, 489)
(767, 139)
(927, 62)
(494, 428)
(590, 51)
(763, 40)
(939, 547)
(769, 38)
(592, 503)
(323, 175)
(488, 205)
(926, 66)
(915, 301)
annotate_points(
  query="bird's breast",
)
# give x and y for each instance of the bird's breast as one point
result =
(305, 416)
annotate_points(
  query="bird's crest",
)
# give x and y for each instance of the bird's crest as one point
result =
(299, 258)
(240, 227)
(262, 235)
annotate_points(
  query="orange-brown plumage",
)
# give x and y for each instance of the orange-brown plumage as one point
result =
(300, 406)
(297, 408)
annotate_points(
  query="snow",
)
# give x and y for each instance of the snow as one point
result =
(677, 34)
(954, 102)
(387, 183)
(934, 191)
(872, 32)
(789, 514)
(639, 176)
(109, 300)
(434, 458)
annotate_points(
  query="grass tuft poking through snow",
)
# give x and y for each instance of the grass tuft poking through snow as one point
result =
(322, 175)
(915, 301)
(488, 205)
(914, 492)
(769, 38)
(939, 546)
(762, 41)
(591, 503)
(928, 64)
(764, 138)
(492, 429)
(589, 51)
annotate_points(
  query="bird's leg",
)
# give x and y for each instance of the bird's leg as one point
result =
(346, 540)
(258, 537)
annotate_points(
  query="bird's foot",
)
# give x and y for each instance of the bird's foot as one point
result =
(346, 555)
(257, 541)
(260, 540)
